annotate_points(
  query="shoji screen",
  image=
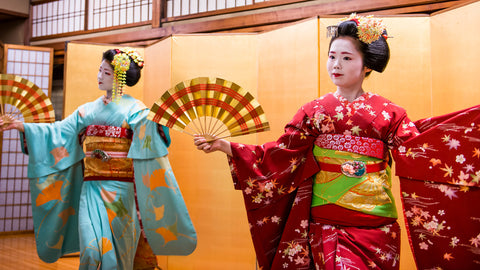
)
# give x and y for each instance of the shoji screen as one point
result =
(34, 64)
(110, 13)
(187, 7)
(57, 17)
(67, 16)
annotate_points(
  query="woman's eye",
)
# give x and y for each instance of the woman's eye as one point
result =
(347, 58)
(331, 57)
(107, 73)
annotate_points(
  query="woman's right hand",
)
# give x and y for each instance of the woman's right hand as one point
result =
(7, 122)
(211, 146)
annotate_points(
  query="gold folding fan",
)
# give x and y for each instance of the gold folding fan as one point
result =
(211, 107)
(27, 100)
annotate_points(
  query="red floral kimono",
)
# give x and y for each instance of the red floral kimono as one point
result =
(343, 221)
(440, 182)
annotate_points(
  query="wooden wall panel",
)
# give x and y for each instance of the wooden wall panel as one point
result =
(455, 59)
(82, 63)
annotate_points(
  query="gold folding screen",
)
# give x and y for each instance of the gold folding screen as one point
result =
(82, 62)
(284, 68)
(215, 207)
(455, 59)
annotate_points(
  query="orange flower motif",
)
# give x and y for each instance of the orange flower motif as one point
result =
(159, 212)
(476, 153)
(435, 161)
(448, 171)
(111, 215)
(106, 245)
(447, 256)
(157, 179)
(251, 182)
(167, 234)
(274, 183)
(65, 214)
(59, 153)
(141, 134)
(50, 193)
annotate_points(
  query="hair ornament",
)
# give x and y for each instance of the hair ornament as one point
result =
(136, 57)
(121, 64)
(369, 29)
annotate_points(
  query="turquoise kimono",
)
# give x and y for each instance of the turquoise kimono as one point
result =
(99, 218)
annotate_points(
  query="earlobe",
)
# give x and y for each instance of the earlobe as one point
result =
(366, 69)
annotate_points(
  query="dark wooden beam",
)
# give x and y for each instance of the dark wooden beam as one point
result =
(425, 9)
(269, 19)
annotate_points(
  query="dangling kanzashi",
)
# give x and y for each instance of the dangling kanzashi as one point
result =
(121, 64)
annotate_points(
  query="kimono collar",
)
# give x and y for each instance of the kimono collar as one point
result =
(364, 97)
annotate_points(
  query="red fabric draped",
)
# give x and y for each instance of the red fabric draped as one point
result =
(439, 176)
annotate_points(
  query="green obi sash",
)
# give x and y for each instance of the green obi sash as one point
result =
(369, 193)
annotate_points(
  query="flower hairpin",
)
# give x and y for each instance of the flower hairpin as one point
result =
(121, 64)
(369, 29)
(136, 57)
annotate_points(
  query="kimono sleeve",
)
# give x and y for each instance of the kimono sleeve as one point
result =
(147, 141)
(290, 157)
(439, 174)
(401, 128)
(275, 179)
(53, 147)
(56, 174)
(164, 215)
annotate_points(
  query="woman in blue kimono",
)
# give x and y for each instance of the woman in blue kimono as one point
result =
(116, 194)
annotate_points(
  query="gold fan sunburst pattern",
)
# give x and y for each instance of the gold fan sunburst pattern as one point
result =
(211, 107)
(27, 98)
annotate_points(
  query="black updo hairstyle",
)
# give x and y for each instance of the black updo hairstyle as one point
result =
(375, 54)
(133, 73)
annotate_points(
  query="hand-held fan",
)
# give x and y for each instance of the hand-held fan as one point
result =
(210, 107)
(28, 98)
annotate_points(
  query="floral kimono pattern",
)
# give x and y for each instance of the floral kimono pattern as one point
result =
(77, 210)
(276, 178)
(440, 182)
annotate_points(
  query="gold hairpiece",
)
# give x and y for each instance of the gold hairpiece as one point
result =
(121, 63)
(136, 57)
(369, 29)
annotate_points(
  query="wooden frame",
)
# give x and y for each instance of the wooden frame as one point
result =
(86, 20)
(245, 21)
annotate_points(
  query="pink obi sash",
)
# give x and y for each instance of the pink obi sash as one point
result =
(106, 150)
(360, 145)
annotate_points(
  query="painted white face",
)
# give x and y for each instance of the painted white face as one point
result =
(105, 76)
(345, 64)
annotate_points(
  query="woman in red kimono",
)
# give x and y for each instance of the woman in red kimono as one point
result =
(320, 196)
